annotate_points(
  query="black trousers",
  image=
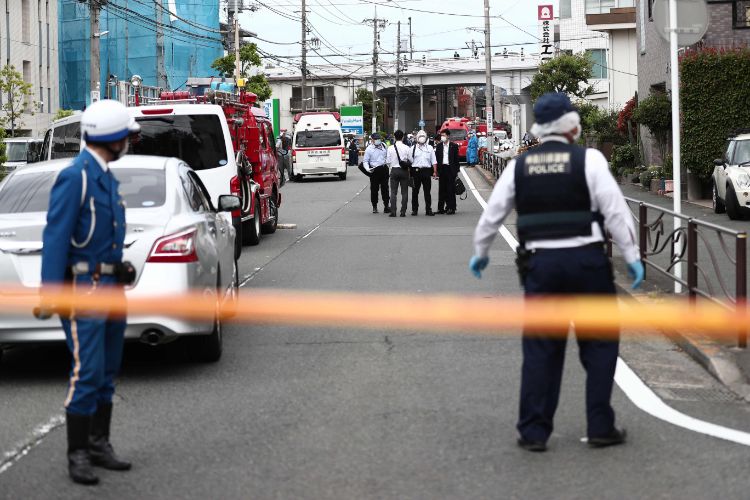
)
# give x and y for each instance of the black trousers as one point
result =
(422, 180)
(379, 182)
(582, 270)
(399, 178)
(446, 188)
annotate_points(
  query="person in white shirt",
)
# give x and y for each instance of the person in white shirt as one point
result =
(565, 197)
(399, 160)
(375, 167)
(424, 169)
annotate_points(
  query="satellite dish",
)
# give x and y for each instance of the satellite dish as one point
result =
(692, 20)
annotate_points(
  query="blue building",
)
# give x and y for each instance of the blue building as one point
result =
(128, 44)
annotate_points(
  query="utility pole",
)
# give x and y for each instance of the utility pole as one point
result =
(304, 55)
(237, 62)
(94, 68)
(376, 25)
(161, 72)
(411, 42)
(421, 104)
(398, 76)
(488, 67)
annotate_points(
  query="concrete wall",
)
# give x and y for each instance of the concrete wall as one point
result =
(29, 35)
(623, 63)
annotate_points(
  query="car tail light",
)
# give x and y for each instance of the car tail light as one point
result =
(156, 111)
(235, 189)
(344, 156)
(294, 155)
(178, 247)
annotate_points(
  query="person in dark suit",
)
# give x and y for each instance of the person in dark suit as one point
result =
(446, 154)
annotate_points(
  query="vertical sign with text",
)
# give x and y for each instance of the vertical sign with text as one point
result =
(545, 14)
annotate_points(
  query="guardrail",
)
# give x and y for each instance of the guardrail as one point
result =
(703, 248)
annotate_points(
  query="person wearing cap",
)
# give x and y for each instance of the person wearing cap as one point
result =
(566, 199)
(83, 247)
(375, 167)
(424, 168)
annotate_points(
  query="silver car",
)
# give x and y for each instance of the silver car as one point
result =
(175, 238)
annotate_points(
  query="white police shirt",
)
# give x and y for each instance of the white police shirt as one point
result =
(424, 156)
(375, 156)
(606, 198)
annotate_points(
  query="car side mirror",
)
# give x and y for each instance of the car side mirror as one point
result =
(718, 162)
(229, 203)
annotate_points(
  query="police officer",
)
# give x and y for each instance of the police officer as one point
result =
(564, 196)
(424, 169)
(82, 246)
(374, 166)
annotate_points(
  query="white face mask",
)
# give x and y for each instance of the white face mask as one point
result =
(444, 139)
(378, 142)
(421, 140)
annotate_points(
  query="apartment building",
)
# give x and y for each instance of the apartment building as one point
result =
(28, 41)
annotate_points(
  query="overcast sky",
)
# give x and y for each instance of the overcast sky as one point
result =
(438, 26)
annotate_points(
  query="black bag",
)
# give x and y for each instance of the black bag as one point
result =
(405, 164)
(460, 188)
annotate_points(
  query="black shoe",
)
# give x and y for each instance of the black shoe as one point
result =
(535, 446)
(612, 439)
(374, 210)
(430, 213)
(387, 210)
(100, 449)
(393, 214)
(414, 212)
(79, 460)
(441, 211)
(403, 214)
(450, 211)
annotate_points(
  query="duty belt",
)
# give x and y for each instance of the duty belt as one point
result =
(102, 268)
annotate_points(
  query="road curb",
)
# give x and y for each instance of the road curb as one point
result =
(716, 359)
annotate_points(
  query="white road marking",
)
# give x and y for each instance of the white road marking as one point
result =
(36, 436)
(633, 387)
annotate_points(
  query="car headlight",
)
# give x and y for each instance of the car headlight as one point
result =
(743, 181)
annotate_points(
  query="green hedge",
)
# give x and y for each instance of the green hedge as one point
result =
(715, 100)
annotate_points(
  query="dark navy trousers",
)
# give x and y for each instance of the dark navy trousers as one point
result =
(96, 344)
(582, 270)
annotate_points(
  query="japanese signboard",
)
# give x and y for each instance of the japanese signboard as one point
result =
(546, 18)
(352, 121)
(271, 108)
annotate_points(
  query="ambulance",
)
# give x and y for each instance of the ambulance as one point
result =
(318, 145)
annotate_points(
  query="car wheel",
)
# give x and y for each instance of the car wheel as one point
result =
(718, 203)
(251, 229)
(342, 176)
(208, 348)
(270, 226)
(732, 205)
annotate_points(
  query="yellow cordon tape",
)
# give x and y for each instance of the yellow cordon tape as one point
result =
(599, 317)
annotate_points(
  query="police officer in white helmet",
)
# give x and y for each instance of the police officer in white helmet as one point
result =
(82, 248)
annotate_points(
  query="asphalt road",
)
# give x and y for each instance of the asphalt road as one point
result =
(293, 412)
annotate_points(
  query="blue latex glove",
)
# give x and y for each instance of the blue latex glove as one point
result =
(636, 271)
(477, 265)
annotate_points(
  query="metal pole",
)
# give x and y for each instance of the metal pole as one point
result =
(421, 103)
(741, 284)
(375, 72)
(398, 76)
(643, 235)
(488, 67)
(94, 67)
(304, 55)
(692, 259)
(411, 42)
(237, 62)
(161, 72)
(676, 174)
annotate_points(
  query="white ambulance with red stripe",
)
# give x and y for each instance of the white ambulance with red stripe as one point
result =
(318, 145)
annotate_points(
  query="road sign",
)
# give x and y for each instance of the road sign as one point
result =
(352, 120)
(692, 20)
(271, 108)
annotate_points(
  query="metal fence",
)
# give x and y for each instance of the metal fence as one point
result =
(715, 257)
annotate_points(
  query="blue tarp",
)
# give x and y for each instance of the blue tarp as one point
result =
(190, 46)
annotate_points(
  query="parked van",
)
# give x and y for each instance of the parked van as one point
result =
(62, 139)
(318, 145)
(20, 151)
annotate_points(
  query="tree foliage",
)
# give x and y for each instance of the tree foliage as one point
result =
(62, 113)
(568, 73)
(249, 58)
(715, 101)
(364, 97)
(3, 158)
(655, 113)
(599, 124)
(17, 98)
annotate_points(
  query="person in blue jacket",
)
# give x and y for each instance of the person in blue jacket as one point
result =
(82, 247)
(472, 150)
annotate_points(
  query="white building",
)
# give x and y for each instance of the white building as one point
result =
(29, 43)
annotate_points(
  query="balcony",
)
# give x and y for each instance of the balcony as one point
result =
(616, 19)
(327, 103)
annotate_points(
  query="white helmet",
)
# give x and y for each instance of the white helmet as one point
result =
(107, 121)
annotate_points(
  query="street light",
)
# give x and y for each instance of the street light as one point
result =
(136, 82)
(100, 34)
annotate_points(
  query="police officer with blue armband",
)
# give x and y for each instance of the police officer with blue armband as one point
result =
(82, 246)
(565, 197)
(375, 167)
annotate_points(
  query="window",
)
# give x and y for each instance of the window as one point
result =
(317, 138)
(599, 57)
(26, 21)
(565, 9)
(604, 6)
(741, 152)
(193, 194)
(741, 14)
(729, 152)
(66, 141)
(141, 187)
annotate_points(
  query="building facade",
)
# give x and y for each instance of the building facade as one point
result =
(165, 43)
(729, 27)
(28, 42)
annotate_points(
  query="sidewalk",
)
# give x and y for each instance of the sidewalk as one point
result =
(728, 364)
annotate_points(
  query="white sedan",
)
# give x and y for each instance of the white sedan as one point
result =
(731, 179)
(176, 239)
